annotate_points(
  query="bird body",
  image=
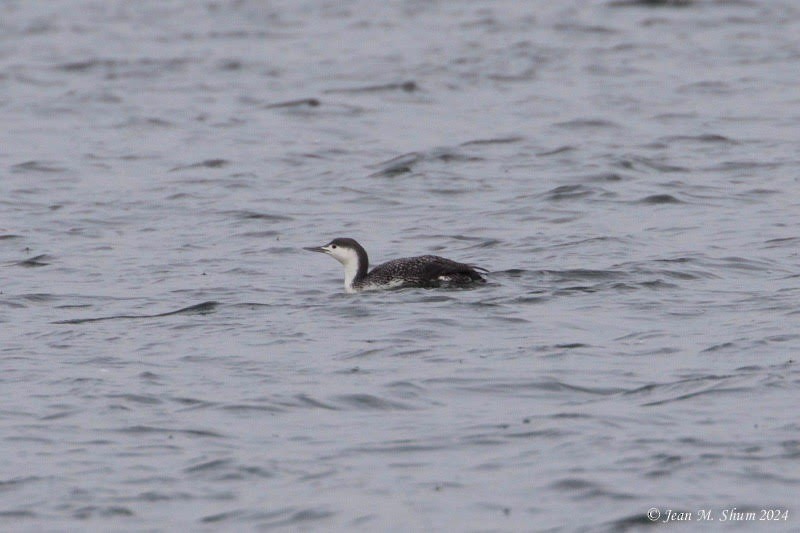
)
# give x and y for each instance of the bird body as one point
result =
(421, 271)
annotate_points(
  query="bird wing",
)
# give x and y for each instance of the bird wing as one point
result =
(425, 268)
(436, 266)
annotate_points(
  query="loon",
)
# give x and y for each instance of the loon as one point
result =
(422, 271)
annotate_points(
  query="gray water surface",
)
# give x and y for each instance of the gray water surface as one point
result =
(171, 359)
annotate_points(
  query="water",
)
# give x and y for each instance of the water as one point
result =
(626, 170)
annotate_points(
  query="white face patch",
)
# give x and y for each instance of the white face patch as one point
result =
(342, 254)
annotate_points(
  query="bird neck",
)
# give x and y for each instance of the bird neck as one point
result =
(356, 271)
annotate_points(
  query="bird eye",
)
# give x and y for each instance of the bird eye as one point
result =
(333, 246)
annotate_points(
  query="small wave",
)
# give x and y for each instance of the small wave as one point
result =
(302, 102)
(227, 470)
(144, 122)
(14, 514)
(208, 163)
(215, 464)
(651, 3)
(634, 162)
(704, 138)
(464, 152)
(143, 430)
(152, 496)
(587, 123)
(291, 518)
(568, 192)
(498, 140)
(125, 68)
(555, 151)
(200, 309)
(517, 273)
(371, 402)
(251, 407)
(36, 261)
(790, 242)
(685, 389)
(680, 272)
(91, 511)
(19, 481)
(36, 166)
(584, 28)
(108, 64)
(304, 400)
(229, 65)
(524, 387)
(402, 446)
(655, 285)
(634, 522)
(659, 199)
(397, 165)
(719, 347)
(581, 489)
(551, 433)
(605, 177)
(407, 86)
(146, 399)
(728, 166)
(744, 263)
(225, 516)
(584, 274)
(254, 215)
(706, 87)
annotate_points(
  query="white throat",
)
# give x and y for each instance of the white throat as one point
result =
(350, 271)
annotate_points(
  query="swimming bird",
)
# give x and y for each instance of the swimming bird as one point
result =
(421, 271)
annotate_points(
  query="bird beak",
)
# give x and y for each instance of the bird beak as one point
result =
(319, 249)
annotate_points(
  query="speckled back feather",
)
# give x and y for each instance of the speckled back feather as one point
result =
(423, 271)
